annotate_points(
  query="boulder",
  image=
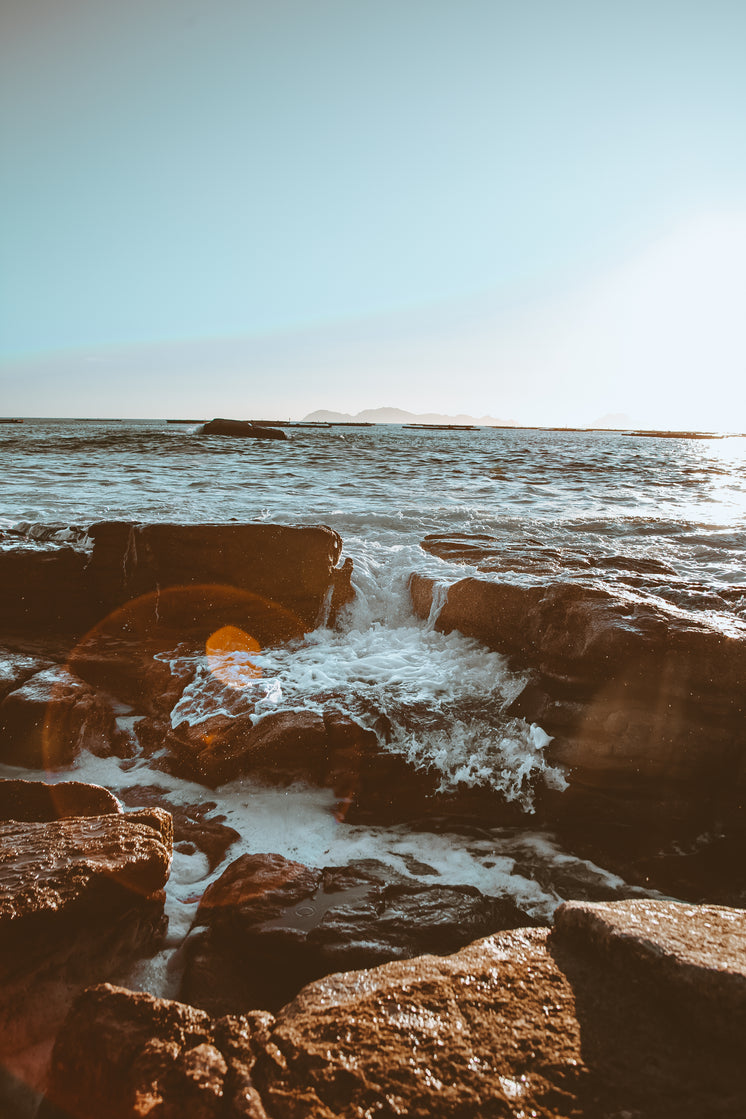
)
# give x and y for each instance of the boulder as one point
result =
(243, 429)
(271, 580)
(38, 801)
(617, 1012)
(646, 705)
(123, 1054)
(52, 717)
(80, 899)
(692, 958)
(141, 671)
(268, 926)
(284, 745)
(373, 785)
(274, 581)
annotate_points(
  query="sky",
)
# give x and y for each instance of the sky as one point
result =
(530, 209)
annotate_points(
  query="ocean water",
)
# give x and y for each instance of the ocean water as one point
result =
(658, 518)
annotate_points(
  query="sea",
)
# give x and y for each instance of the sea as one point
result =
(658, 518)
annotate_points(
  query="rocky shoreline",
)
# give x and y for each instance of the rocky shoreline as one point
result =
(360, 990)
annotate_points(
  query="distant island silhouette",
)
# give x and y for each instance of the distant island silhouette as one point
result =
(399, 416)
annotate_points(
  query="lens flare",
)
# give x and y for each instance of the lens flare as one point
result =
(227, 651)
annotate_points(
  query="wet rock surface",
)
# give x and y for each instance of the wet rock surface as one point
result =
(644, 574)
(243, 429)
(645, 705)
(193, 824)
(123, 1054)
(273, 580)
(16, 668)
(40, 801)
(575, 1023)
(50, 718)
(80, 897)
(270, 925)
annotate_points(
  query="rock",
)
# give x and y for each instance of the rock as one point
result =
(38, 801)
(268, 926)
(44, 589)
(80, 899)
(245, 429)
(645, 705)
(693, 957)
(211, 836)
(52, 717)
(274, 581)
(271, 580)
(543, 563)
(123, 1054)
(615, 1013)
(16, 669)
(140, 670)
(286, 745)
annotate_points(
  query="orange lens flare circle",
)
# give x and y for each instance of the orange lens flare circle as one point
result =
(227, 651)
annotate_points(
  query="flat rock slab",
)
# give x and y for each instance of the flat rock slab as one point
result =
(49, 866)
(695, 955)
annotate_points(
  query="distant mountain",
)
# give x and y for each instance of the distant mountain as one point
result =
(619, 420)
(399, 416)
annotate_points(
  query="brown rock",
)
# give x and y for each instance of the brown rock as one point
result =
(579, 1024)
(39, 801)
(134, 667)
(47, 867)
(123, 1054)
(192, 823)
(275, 581)
(52, 717)
(80, 899)
(244, 429)
(268, 926)
(646, 705)
(693, 956)
(270, 579)
(287, 745)
(44, 589)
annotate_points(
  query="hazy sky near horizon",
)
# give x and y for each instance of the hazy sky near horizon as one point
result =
(532, 210)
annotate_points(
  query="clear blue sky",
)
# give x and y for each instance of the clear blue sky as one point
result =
(269, 207)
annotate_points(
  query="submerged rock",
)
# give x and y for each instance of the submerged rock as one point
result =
(269, 925)
(594, 1019)
(193, 824)
(244, 429)
(80, 899)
